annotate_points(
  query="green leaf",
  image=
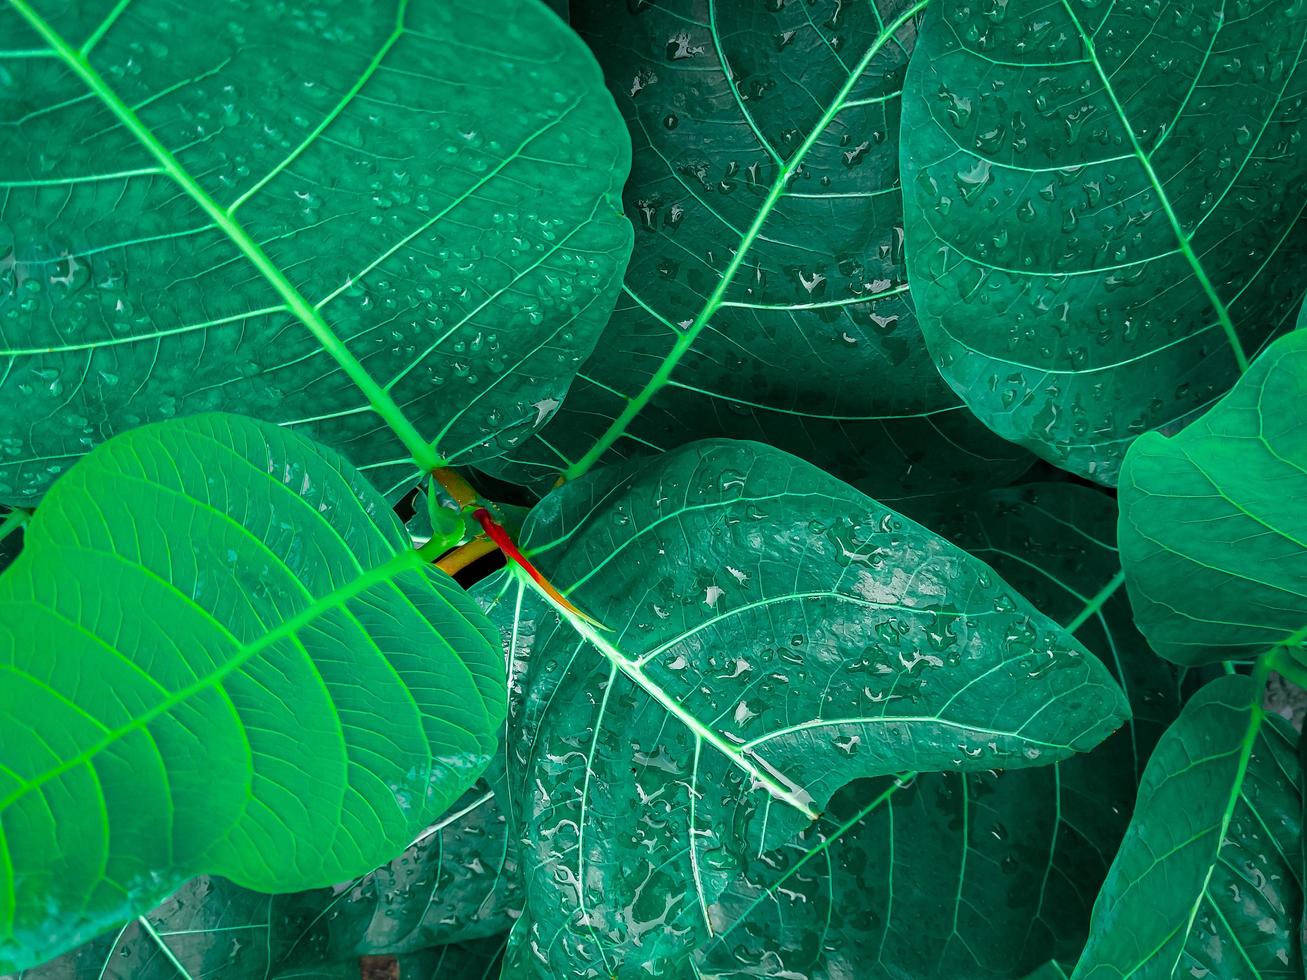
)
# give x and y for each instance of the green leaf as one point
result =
(212, 928)
(979, 874)
(1207, 882)
(772, 635)
(767, 296)
(411, 206)
(1213, 528)
(476, 960)
(459, 881)
(221, 656)
(1102, 205)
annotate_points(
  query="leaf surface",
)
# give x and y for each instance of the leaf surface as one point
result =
(1207, 881)
(773, 635)
(1213, 528)
(977, 874)
(767, 295)
(426, 207)
(286, 699)
(459, 881)
(1103, 205)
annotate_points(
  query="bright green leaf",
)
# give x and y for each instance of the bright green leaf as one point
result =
(767, 294)
(427, 199)
(1213, 523)
(1207, 881)
(982, 874)
(772, 635)
(221, 655)
(1102, 205)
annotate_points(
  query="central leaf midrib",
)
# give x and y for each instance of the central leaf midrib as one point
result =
(1186, 248)
(402, 562)
(685, 340)
(382, 403)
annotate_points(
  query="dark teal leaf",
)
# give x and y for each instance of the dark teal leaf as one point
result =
(200, 202)
(11, 536)
(1102, 205)
(983, 874)
(767, 295)
(221, 655)
(773, 634)
(460, 881)
(1213, 523)
(1207, 882)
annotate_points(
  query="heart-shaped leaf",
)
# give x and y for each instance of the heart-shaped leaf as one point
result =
(422, 215)
(1207, 880)
(1102, 205)
(286, 700)
(1213, 527)
(767, 295)
(772, 635)
(981, 875)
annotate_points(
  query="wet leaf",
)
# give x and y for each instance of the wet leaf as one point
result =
(1207, 881)
(773, 635)
(1102, 207)
(767, 294)
(460, 881)
(429, 198)
(982, 874)
(286, 701)
(1213, 527)
(212, 928)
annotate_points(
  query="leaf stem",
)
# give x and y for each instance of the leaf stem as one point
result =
(464, 555)
(378, 397)
(685, 341)
(1096, 603)
(792, 796)
(12, 521)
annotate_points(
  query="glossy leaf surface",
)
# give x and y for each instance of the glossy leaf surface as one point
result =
(772, 635)
(1102, 207)
(212, 928)
(188, 226)
(1213, 527)
(1207, 881)
(982, 874)
(767, 295)
(287, 700)
(460, 881)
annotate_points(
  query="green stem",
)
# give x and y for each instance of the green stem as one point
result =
(382, 403)
(1284, 664)
(12, 521)
(685, 341)
(1096, 603)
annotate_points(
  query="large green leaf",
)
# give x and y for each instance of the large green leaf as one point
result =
(1207, 882)
(1213, 525)
(772, 635)
(979, 874)
(221, 655)
(767, 296)
(254, 210)
(1102, 208)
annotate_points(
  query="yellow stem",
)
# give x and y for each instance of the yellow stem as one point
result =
(465, 555)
